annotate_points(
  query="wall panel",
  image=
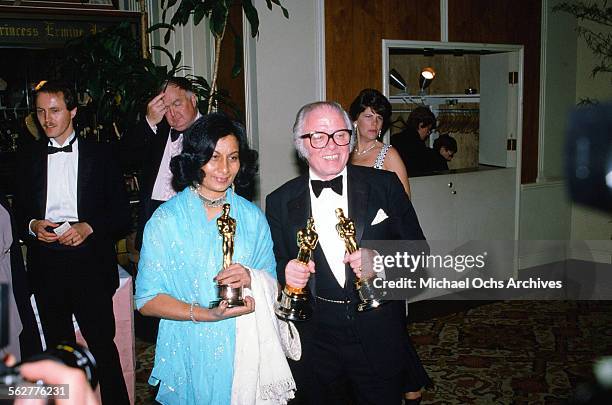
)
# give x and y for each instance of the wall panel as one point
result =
(233, 85)
(507, 22)
(354, 30)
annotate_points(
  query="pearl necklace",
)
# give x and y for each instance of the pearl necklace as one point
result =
(363, 152)
(210, 203)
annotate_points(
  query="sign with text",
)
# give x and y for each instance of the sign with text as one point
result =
(46, 33)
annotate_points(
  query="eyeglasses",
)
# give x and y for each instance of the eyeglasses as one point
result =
(319, 140)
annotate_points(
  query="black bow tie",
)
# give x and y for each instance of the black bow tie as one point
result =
(68, 148)
(174, 134)
(335, 184)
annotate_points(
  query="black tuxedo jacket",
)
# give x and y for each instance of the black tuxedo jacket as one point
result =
(418, 158)
(382, 331)
(142, 150)
(101, 202)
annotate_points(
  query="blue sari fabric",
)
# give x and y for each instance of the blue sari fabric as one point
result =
(181, 254)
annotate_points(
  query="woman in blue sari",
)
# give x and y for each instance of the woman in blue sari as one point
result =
(181, 262)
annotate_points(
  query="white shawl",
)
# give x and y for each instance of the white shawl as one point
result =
(261, 373)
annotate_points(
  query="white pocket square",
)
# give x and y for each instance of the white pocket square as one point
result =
(380, 216)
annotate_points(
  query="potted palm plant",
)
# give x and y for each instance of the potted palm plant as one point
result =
(217, 12)
(114, 81)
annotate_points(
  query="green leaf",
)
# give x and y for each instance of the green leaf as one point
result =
(208, 5)
(177, 59)
(183, 12)
(251, 14)
(218, 18)
(157, 26)
(278, 3)
(164, 50)
(198, 15)
(200, 81)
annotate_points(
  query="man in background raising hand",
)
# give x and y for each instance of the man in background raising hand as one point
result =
(157, 139)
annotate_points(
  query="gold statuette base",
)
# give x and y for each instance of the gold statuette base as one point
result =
(293, 305)
(369, 305)
(233, 296)
(370, 297)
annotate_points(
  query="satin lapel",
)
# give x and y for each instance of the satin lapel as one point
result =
(85, 167)
(39, 179)
(357, 205)
(358, 191)
(298, 209)
(158, 150)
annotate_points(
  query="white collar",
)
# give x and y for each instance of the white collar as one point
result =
(53, 142)
(313, 176)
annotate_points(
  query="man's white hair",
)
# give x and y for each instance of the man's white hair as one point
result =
(300, 118)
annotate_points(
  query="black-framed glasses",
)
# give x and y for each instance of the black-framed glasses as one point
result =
(319, 140)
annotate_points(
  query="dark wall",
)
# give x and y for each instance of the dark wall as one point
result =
(354, 30)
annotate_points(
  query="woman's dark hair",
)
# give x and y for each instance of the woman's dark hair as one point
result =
(421, 116)
(447, 141)
(199, 143)
(376, 101)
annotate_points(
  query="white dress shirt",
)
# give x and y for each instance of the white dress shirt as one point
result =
(162, 189)
(62, 173)
(324, 214)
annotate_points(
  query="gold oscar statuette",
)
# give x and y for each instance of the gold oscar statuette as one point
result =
(293, 304)
(227, 230)
(369, 296)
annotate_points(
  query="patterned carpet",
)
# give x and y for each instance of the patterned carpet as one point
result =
(145, 354)
(517, 352)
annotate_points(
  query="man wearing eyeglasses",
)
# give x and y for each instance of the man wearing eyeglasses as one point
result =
(369, 352)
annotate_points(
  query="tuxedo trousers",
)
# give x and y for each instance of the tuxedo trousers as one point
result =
(334, 368)
(68, 281)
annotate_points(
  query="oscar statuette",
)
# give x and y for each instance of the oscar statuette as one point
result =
(293, 304)
(227, 230)
(369, 296)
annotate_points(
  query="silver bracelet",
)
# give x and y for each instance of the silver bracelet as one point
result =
(191, 316)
